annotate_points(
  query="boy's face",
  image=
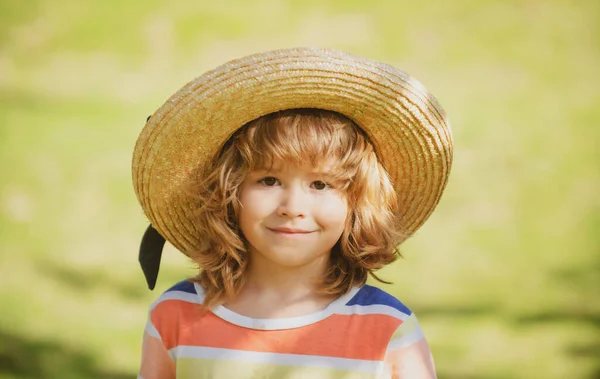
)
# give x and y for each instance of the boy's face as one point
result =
(291, 216)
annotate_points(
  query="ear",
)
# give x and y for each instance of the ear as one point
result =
(150, 254)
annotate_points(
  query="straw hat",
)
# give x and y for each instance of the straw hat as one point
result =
(404, 121)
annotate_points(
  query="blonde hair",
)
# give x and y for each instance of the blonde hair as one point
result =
(371, 235)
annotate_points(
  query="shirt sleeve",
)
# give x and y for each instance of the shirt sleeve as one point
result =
(408, 355)
(406, 334)
(156, 361)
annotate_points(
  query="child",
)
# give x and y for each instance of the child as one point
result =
(288, 177)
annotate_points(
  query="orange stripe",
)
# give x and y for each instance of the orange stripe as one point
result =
(364, 336)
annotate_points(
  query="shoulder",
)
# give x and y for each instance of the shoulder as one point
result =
(183, 295)
(185, 290)
(404, 330)
(174, 309)
(375, 300)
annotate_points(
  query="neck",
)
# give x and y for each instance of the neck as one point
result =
(273, 291)
(288, 282)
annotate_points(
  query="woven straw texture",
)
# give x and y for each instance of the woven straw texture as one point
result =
(408, 127)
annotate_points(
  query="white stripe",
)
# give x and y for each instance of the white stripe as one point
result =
(276, 358)
(173, 353)
(178, 295)
(269, 323)
(151, 330)
(375, 309)
(406, 340)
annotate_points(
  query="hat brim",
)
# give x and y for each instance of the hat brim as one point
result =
(404, 121)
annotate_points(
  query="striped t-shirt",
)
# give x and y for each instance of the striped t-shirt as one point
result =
(349, 339)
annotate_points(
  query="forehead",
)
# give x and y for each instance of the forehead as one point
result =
(323, 166)
(297, 136)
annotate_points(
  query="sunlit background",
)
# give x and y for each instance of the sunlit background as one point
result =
(505, 276)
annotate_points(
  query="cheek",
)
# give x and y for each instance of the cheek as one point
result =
(245, 211)
(254, 205)
(334, 212)
(248, 220)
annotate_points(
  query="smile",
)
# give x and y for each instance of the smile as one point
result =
(289, 231)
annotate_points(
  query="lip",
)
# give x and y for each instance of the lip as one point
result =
(289, 231)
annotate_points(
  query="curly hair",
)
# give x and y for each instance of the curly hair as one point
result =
(371, 234)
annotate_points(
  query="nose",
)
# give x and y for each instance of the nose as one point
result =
(293, 203)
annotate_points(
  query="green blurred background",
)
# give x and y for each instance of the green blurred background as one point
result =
(505, 274)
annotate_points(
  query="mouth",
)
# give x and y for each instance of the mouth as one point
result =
(289, 231)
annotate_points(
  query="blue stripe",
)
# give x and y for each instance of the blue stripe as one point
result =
(183, 286)
(369, 295)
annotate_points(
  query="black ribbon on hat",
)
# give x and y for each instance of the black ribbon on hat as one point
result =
(150, 253)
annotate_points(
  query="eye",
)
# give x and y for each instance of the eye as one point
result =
(269, 181)
(320, 185)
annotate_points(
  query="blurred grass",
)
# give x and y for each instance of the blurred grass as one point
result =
(504, 276)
